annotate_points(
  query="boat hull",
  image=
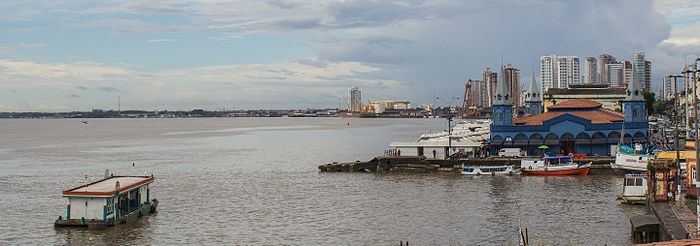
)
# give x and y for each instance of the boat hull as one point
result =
(577, 171)
(632, 200)
(146, 209)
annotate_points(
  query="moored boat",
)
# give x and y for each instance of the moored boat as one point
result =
(634, 189)
(632, 162)
(554, 166)
(488, 170)
(108, 201)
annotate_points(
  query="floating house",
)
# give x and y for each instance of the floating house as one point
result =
(112, 200)
(575, 126)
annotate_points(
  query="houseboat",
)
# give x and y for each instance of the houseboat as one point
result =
(634, 189)
(108, 201)
(554, 166)
(488, 170)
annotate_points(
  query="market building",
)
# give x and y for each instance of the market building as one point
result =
(580, 126)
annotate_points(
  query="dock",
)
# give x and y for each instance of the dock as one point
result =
(421, 164)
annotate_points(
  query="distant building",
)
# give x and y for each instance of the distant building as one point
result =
(603, 60)
(559, 71)
(669, 87)
(639, 68)
(614, 74)
(608, 97)
(512, 78)
(355, 100)
(591, 70)
(627, 72)
(647, 75)
(381, 106)
(475, 97)
(490, 81)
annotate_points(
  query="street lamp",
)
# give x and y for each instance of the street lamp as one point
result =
(449, 124)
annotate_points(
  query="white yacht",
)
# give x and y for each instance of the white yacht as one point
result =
(467, 137)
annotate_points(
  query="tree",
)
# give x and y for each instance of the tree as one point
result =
(650, 99)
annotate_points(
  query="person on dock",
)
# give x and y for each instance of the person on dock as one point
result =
(434, 154)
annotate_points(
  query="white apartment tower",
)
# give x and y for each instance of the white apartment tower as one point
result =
(591, 70)
(559, 71)
(355, 100)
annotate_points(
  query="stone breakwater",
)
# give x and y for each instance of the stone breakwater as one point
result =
(420, 164)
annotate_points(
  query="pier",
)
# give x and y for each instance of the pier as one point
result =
(421, 164)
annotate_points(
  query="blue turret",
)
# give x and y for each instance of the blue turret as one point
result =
(502, 108)
(634, 103)
(533, 101)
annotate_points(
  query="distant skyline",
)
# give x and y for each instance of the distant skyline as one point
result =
(67, 55)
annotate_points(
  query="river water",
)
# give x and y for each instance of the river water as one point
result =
(256, 181)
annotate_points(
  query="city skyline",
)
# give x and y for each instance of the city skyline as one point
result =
(75, 55)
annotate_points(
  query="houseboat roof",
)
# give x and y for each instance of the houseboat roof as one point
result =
(108, 186)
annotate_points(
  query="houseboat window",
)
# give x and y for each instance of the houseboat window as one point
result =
(639, 182)
(640, 158)
(629, 182)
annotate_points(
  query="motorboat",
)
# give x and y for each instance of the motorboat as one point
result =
(554, 166)
(488, 170)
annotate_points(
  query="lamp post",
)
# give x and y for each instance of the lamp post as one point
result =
(449, 124)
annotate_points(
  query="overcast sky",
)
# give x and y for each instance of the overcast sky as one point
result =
(62, 55)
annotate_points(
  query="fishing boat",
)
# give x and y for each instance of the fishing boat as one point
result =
(554, 166)
(108, 201)
(488, 170)
(634, 189)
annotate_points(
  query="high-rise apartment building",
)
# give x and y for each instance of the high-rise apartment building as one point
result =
(603, 60)
(490, 80)
(355, 100)
(638, 71)
(476, 94)
(591, 70)
(615, 74)
(670, 85)
(626, 72)
(559, 71)
(647, 75)
(512, 79)
(638, 68)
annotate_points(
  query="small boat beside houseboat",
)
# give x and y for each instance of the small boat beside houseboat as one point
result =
(634, 189)
(631, 162)
(631, 159)
(554, 166)
(488, 170)
(108, 201)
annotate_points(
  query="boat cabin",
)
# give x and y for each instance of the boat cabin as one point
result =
(634, 189)
(111, 200)
(546, 161)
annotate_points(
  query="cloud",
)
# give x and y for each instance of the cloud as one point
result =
(74, 96)
(413, 50)
(107, 89)
(307, 81)
(14, 48)
(162, 40)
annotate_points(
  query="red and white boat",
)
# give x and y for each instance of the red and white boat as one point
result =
(554, 166)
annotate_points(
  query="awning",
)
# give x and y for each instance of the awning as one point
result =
(551, 141)
(598, 141)
(535, 142)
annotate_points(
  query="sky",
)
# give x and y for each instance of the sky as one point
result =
(64, 55)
